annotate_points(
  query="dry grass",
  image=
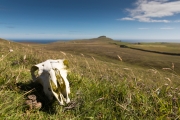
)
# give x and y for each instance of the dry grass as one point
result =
(108, 51)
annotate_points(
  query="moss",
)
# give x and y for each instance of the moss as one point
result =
(53, 86)
(60, 81)
(66, 63)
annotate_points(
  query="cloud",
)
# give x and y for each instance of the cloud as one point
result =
(168, 28)
(153, 10)
(143, 28)
(177, 21)
(164, 28)
(126, 18)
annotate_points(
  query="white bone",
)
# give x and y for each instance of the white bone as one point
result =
(52, 75)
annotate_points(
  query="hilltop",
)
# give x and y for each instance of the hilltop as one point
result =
(100, 39)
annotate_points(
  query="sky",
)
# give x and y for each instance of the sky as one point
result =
(84, 19)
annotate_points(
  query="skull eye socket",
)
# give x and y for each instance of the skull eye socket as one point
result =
(36, 73)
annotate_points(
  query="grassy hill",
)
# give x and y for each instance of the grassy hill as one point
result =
(107, 81)
(107, 50)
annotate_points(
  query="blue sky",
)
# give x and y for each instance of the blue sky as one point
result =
(78, 19)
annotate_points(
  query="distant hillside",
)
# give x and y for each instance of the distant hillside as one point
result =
(100, 39)
(2, 40)
(7, 44)
(5, 41)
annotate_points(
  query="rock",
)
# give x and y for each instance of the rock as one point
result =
(32, 102)
(32, 97)
(37, 105)
(29, 104)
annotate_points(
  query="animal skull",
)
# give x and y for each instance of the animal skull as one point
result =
(52, 75)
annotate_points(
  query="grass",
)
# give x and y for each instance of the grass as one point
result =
(108, 50)
(102, 86)
(161, 47)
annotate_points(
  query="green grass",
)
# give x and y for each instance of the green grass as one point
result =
(161, 47)
(102, 87)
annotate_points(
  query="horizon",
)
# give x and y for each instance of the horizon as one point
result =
(122, 40)
(79, 19)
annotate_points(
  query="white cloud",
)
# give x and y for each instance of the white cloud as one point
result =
(163, 28)
(167, 28)
(143, 28)
(126, 18)
(154, 10)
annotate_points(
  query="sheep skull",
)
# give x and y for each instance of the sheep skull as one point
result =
(52, 75)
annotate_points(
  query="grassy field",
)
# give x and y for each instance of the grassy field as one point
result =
(107, 50)
(161, 47)
(107, 82)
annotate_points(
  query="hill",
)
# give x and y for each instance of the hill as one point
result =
(107, 82)
(107, 50)
(100, 39)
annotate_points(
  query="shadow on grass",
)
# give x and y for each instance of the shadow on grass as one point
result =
(47, 105)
